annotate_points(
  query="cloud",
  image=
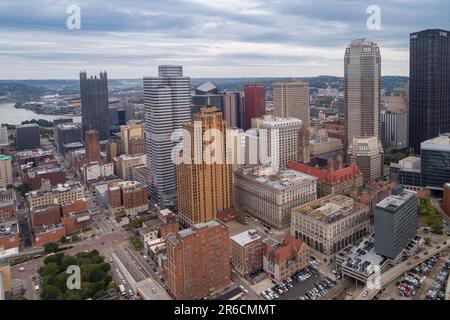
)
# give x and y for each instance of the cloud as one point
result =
(210, 38)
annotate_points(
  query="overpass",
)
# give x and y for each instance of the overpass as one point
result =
(395, 272)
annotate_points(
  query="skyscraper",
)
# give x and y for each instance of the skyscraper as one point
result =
(362, 68)
(367, 153)
(429, 85)
(28, 136)
(291, 99)
(204, 189)
(255, 103)
(94, 104)
(167, 101)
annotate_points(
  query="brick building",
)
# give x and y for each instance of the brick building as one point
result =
(247, 252)
(128, 195)
(198, 261)
(8, 204)
(9, 235)
(345, 181)
(282, 260)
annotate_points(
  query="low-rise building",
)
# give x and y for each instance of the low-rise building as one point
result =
(48, 234)
(130, 196)
(9, 234)
(161, 227)
(8, 203)
(407, 172)
(125, 163)
(59, 194)
(282, 260)
(326, 147)
(95, 171)
(247, 252)
(269, 194)
(346, 181)
(329, 224)
(33, 176)
(37, 157)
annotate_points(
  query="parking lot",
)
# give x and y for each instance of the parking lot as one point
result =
(296, 286)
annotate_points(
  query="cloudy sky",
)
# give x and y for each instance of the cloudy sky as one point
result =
(210, 38)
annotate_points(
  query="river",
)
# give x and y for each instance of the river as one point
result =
(11, 115)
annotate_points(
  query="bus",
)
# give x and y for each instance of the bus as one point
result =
(122, 289)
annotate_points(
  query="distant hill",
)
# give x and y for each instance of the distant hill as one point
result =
(25, 90)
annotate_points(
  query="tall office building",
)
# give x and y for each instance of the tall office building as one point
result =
(204, 189)
(4, 136)
(94, 104)
(362, 68)
(367, 153)
(198, 261)
(255, 103)
(395, 222)
(66, 133)
(132, 134)
(291, 99)
(429, 85)
(92, 146)
(231, 106)
(28, 136)
(394, 130)
(167, 101)
(435, 162)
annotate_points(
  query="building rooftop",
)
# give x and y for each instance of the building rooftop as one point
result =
(329, 209)
(441, 143)
(60, 188)
(276, 179)
(246, 237)
(325, 175)
(395, 201)
(4, 157)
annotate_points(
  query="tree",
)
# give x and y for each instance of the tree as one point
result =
(51, 247)
(240, 216)
(50, 293)
(427, 241)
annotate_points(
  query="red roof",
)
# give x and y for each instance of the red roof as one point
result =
(287, 250)
(328, 176)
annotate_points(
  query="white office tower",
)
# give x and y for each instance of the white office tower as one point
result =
(362, 67)
(167, 101)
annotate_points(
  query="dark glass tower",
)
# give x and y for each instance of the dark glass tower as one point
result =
(94, 104)
(429, 85)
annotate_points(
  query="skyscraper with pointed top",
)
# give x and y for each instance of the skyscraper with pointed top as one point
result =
(94, 104)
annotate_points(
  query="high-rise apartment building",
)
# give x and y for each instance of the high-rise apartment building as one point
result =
(429, 85)
(198, 261)
(28, 136)
(362, 68)
(204, 186)
(395, 222)
(167, 101)
(255, 103)
(94, 104)
(6, 172)
(367, 153)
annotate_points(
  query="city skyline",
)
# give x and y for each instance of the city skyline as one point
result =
(224, 38)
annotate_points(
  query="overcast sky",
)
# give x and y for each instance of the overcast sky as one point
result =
(210, 38)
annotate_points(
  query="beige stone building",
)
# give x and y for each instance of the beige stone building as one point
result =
(204, 186)
(329, 224)
(269, 195)
(133, 130)
(362, 70)
(125, 163)
(367, 153)
(6, 173)
(68, 192)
